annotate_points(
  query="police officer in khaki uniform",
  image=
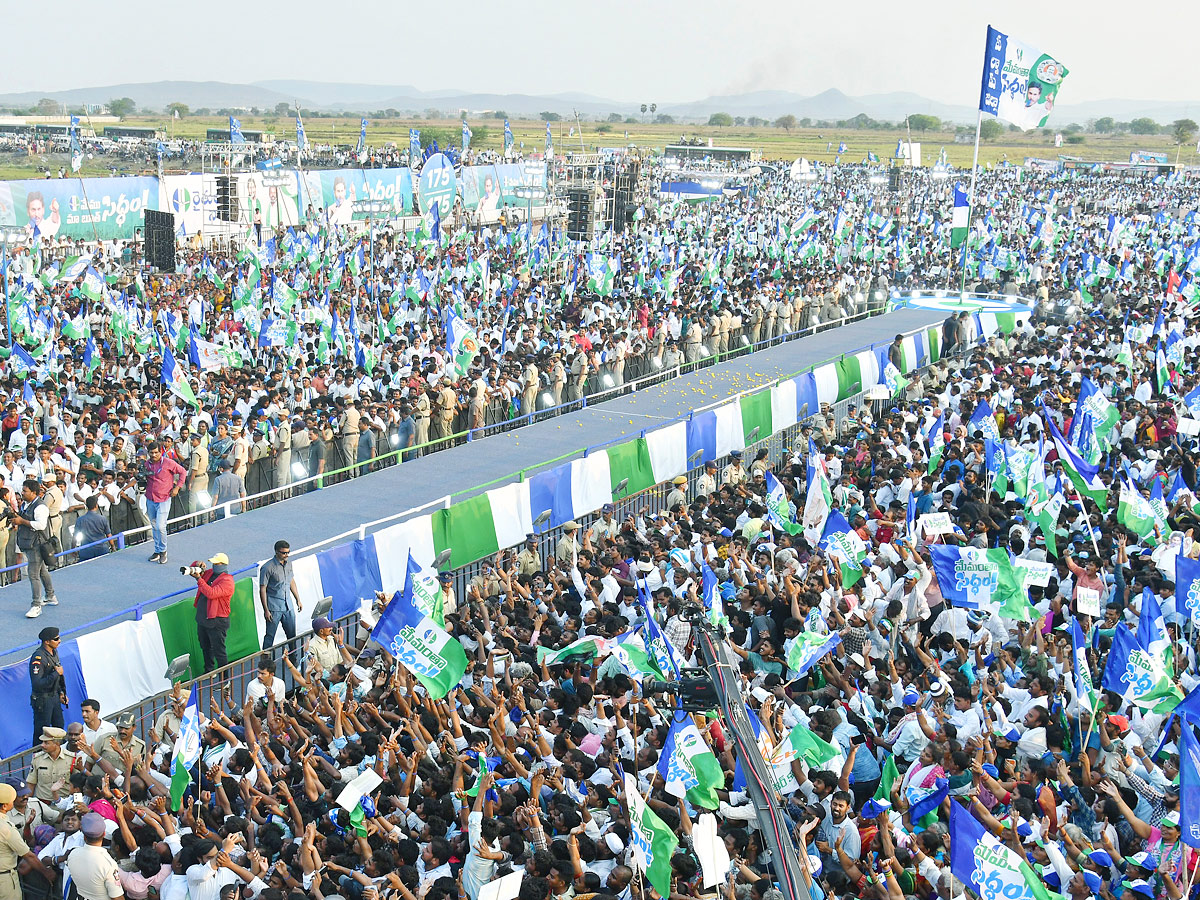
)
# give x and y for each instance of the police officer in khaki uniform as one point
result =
(567, 550)
(706, 484)
(678, 494)
(13, 849)
(447, 406)
(50, 768)
(558, 378)
(126, 742)
(734, 473)
(421, 419)
(529, 560)
(529, 384)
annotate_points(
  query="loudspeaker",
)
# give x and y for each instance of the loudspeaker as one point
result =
(160, 240)
(227, 198)
(895, 180)
(579, 214)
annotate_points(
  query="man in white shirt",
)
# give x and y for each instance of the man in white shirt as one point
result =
(266, 683)
(95, 730)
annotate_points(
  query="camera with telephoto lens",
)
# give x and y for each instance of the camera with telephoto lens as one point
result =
(193, 571)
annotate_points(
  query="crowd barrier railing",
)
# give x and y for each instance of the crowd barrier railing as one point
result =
(652, 499)
(594, 394)
(231, 680)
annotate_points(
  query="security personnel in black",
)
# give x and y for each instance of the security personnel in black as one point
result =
(49, 689)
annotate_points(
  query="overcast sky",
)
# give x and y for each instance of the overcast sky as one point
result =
(631, 50)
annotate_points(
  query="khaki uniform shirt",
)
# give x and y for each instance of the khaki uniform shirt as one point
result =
(45, 771)
(136, 746)
(528, 562)
(12, 848)
(447, 400)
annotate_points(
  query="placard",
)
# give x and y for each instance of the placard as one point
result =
(936, 523)
(1038, 573)
(1087, 601)
(1188, 426)
(506, 887)
(358, 788)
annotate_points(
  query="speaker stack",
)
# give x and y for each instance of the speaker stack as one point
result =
(579, 213)
(227, 198)
(160, 240)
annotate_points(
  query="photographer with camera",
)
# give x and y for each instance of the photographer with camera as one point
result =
(164, 479)
(214, 589)
(32, 520)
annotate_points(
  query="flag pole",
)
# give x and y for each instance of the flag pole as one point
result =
(1091, 532)
(970, 204)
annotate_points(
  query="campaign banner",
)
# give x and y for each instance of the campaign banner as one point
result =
(1148, 158)
(58, 208)
(337, 193)
(487, 188)
(191, 198)
(274, 197)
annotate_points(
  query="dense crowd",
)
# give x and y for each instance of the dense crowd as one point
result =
(885, 709)
(891, 695)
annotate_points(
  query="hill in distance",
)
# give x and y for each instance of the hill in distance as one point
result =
(831, 104)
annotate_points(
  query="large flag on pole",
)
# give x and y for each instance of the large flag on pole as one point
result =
(301, 138)
(235, 131)
(187, 750)
(1020, 83)
(651, 841)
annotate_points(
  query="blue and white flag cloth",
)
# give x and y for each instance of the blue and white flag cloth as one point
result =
(1187, 587)
(186, 752)
(235, 131)
(991, 869)
(1139, 676)
(421, 645)
(1189, 785)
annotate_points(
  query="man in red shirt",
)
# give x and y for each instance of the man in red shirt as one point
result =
(164, 482)
(214, 589)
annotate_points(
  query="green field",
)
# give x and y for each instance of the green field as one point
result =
(774, 142)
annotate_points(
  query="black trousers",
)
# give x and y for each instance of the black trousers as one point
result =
(47, 711)
(212, 642)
